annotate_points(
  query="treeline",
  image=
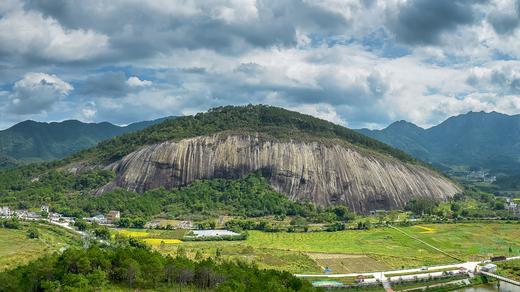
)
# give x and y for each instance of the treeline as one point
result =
(272, 121)
(251, 196)
(130, 264)
(471, 203)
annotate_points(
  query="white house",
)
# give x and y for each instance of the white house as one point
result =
(5, 212)
(98, 218)
(213, 233)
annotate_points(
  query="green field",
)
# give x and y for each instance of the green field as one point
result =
(365, 250)
(465, 241)
(510, 269)
(16, 248)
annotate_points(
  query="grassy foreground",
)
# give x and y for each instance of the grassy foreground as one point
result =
(17, 249)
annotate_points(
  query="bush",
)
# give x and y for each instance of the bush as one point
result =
(12, 223)
(33, 233)
(81, 224)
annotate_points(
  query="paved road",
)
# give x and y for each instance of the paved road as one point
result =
(383, 276)
(468, 266)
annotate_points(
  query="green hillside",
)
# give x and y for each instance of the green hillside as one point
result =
(31, 141)
(274, 122)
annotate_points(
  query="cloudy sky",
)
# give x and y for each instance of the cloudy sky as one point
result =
(360, 63)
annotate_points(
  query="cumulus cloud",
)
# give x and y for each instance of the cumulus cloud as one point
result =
(145, 28)
(424, 21)
(37, 92)
(111, 84)
(134, 81)
(502, 78)
(356, 62)
(31, 35)
(506, 19)
(89, 110)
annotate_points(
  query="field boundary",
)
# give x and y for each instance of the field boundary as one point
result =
(427, 244)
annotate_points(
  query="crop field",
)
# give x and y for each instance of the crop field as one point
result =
(510, 269)
(369, 250)
(352, 250)
(161, 241)
(293, 261)
(166, 235)
(17, 249)
(395, 249)
(347, 263)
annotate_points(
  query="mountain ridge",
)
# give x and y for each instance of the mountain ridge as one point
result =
(32, 141)
(488, 140)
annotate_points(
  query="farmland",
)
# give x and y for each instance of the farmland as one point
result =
(16, 248)
(354, 250)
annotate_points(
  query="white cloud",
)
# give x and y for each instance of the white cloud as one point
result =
(31, 34)
(37, 92)
(89, 110)
(136, 82)
(334, 59)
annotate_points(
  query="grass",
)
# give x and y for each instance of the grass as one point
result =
(509, 269)
(17, 249)
(293, 261)
(354, 250)
(347, 263)
(398, 274)
(466, 241)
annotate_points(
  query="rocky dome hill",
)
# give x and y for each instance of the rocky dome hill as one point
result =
(303, 157)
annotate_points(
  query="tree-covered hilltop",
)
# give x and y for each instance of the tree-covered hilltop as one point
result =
(128, 264)
(273, 122)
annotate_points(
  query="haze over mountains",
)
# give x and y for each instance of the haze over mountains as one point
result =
(473, 140)
(31, 141)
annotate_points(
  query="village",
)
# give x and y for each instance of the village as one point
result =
(45, 214)
(111, 220)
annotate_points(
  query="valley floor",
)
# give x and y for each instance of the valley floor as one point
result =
(357, 250)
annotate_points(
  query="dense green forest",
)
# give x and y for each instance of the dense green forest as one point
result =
(271, 121)
(128, 263)
(70, 194)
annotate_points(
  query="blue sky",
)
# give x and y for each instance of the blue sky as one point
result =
(359, 63)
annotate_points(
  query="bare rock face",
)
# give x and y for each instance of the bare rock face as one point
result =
(324, 174)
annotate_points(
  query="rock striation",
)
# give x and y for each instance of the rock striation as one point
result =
(322, 173)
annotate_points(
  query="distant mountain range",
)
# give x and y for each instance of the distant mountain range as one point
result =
(476, 140)
(31, 141)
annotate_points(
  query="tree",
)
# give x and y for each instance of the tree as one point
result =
(421, 206)
(81, 224)
(12, 223)
(123, 222)
(102, 232)
(138, 222)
